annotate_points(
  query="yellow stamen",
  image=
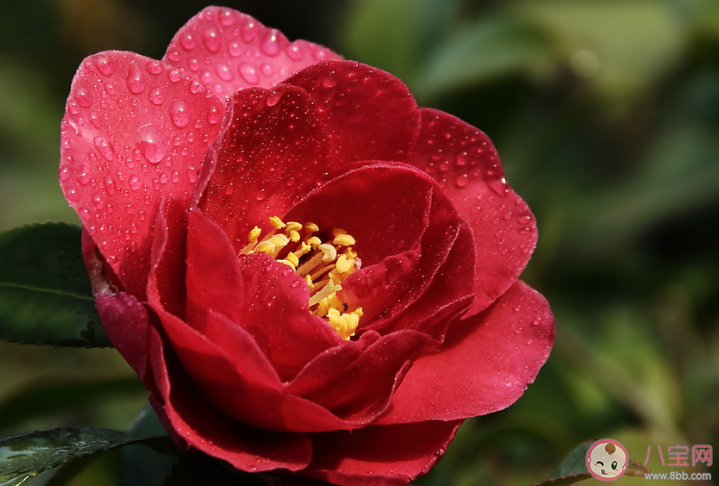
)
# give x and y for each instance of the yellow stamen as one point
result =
(277, 222)
(343, 240)
(322, 265)
(254, 234)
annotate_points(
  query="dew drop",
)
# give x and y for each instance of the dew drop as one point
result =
(462, 180)
(150, 144)
(104, 147)
(195, 87)
(134, 80)
(187, 40)
(72, 194)
(134, 183)
(329, 81)
(273, 98)
(223, 71)
(211, 39)
(267, 70)
(191, 175)
(64, 173)
(537, 321)
(206, 77)
(153, 67)
(214, 115)
(104, 65)
(175, 177)
(83, 97)
(94, 119)
(250, 31)
(234, 49)
(156, 97)
(193, 64)
(178, 114)
(109, 88)
(270, 44)
(227, 17)
(174, 56)
(498, 186)
(174, 75)
(261, 195)
(294, 52)
(524, 219)
(249, 73)
(73, 107)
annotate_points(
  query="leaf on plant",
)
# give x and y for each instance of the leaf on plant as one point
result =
(45, 294)
(573, 469)
(26, 455)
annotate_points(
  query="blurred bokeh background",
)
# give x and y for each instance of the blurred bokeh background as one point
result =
(606, 116)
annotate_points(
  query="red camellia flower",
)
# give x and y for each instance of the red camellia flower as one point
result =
(310, 274)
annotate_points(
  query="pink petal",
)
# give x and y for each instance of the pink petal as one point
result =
(227, 51)
(198, 422)
(389, 455)
(484, 365)
(131, 133)
(266, 298)
(466, 164)
(367, 114)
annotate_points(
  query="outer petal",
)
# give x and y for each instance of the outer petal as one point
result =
(368, 114)
(124, 318)
(485, 364)
(374, 456)
(198, 422)
(466, 163)
(228, 51)
(134, 130)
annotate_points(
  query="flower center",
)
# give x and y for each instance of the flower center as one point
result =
(323, 259)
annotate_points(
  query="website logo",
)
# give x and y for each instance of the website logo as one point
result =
(607, 460)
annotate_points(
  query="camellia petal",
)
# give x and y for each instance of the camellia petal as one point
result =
(227, 51)
(485, 364)
(389, 455)
(466, 163)
(131, 134)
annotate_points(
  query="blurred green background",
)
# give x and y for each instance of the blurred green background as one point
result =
(606, 116)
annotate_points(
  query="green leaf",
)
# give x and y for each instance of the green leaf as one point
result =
(45, 294)
(573, 469)
(26, 455)
(491, 48)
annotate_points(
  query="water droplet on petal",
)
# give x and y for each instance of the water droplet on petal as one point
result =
(175, 177)
(211, 39)
(227, 17)
(105, 148)
(64, 173)
(214, 115)
(329, 81)
(150, 144)
(187, 40)
(499, 186)
(462, 180)
(156, 97)
(83, 97)
(195, 87)
(537, 321)
(294, 52)
(273, 98)
(135, 81)
(104, 65)
(153, 67)
(193, 64)
(223, 72)
(94, 119)
(250, 31)
(178, 114)
(174, 75)
(234, 49)
(270, 44)
(73, 107)
(249, 73)
(174, 56)
(134, 183)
